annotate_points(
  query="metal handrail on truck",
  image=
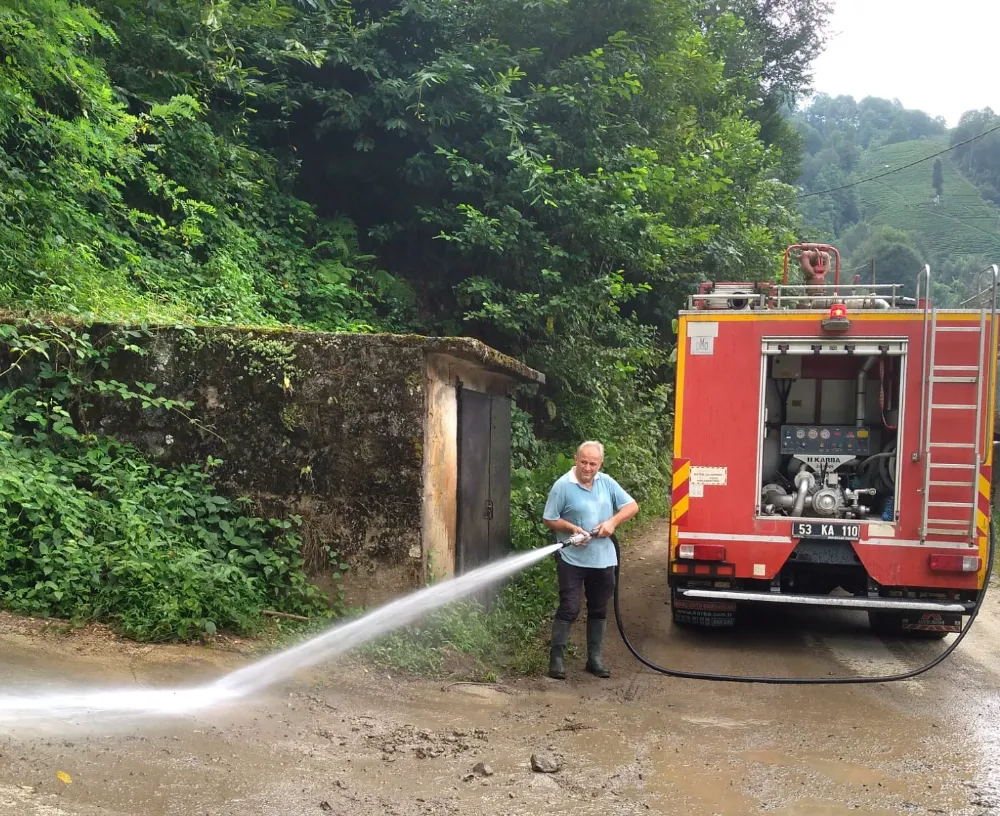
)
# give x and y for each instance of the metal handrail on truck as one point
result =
(818, 296)
(931, 375)
(992, 287)
(855, 296)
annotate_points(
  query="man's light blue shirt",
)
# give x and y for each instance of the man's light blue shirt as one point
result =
(570, 500)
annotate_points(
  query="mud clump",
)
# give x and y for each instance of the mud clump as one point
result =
(424, 744)
(546, 763)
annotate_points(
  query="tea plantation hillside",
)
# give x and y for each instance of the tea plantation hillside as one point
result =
(962, 223)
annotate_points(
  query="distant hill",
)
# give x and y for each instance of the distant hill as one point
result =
(896, 220)
(962, 223)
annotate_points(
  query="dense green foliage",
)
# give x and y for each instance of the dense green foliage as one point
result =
(937, 209)
(134, 205)
(551, 176)
(976, 143)
(90, 530)
(548, 176)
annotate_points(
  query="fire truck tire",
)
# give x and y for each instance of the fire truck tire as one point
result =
(891, 625)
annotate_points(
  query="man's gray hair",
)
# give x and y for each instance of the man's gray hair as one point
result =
(592, 443)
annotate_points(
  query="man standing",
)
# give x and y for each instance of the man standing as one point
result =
(585, 500)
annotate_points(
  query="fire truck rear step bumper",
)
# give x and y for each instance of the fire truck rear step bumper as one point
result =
(844, 602)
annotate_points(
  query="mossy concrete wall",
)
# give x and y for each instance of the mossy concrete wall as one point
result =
(330, 427)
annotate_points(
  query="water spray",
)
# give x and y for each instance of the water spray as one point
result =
(130, 703)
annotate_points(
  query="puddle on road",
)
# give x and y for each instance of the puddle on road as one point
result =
(845, 773)
(815, 807)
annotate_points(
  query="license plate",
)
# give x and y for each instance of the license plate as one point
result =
(836, 530)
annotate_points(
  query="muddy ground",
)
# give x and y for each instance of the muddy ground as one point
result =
(343, 740)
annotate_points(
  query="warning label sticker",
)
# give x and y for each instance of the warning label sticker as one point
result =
(703, 475)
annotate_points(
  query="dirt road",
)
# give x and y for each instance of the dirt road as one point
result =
(345, 741)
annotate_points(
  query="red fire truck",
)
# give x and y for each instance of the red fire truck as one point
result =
(833, 447)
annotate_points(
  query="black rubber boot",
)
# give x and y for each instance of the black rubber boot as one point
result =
(595, 640)
(560, 637)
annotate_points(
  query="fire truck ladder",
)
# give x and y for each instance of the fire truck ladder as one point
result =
(941, 477)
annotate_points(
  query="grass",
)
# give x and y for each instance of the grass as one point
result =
(963, 223)
(457, 640)
(460, 641)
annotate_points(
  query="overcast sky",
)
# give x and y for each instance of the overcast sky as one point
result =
(940, 56)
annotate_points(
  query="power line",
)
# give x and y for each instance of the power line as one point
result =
(898, 169)
(933, 210)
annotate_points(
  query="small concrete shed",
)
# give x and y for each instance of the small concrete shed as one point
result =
(394, 449)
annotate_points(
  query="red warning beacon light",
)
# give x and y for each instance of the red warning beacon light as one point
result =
(837, 320)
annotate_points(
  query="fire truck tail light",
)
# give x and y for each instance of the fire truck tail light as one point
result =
(702, 552)
(954, 563)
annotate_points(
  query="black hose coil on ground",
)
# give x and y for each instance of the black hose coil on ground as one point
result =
(804, 681)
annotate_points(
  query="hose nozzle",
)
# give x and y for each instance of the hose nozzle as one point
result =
(579, 538)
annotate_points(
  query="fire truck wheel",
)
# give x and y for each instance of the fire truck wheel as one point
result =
(891, 625)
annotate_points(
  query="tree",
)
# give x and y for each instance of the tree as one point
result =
(781, 39)
(550, 177)
(960, 278)
(132, 189)
(937, 177)
(976, 140)
(897, 257)
(770, 63)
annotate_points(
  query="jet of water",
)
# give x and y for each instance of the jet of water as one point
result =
(270, 670)
(252, 679)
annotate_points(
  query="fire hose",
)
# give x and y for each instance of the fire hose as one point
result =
(804, 681)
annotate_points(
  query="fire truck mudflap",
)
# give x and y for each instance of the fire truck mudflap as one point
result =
(833, 447)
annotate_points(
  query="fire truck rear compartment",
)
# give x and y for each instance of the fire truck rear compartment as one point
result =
(828, 441)
(831, 416)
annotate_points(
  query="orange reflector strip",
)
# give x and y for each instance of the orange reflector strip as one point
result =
(679, 498)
